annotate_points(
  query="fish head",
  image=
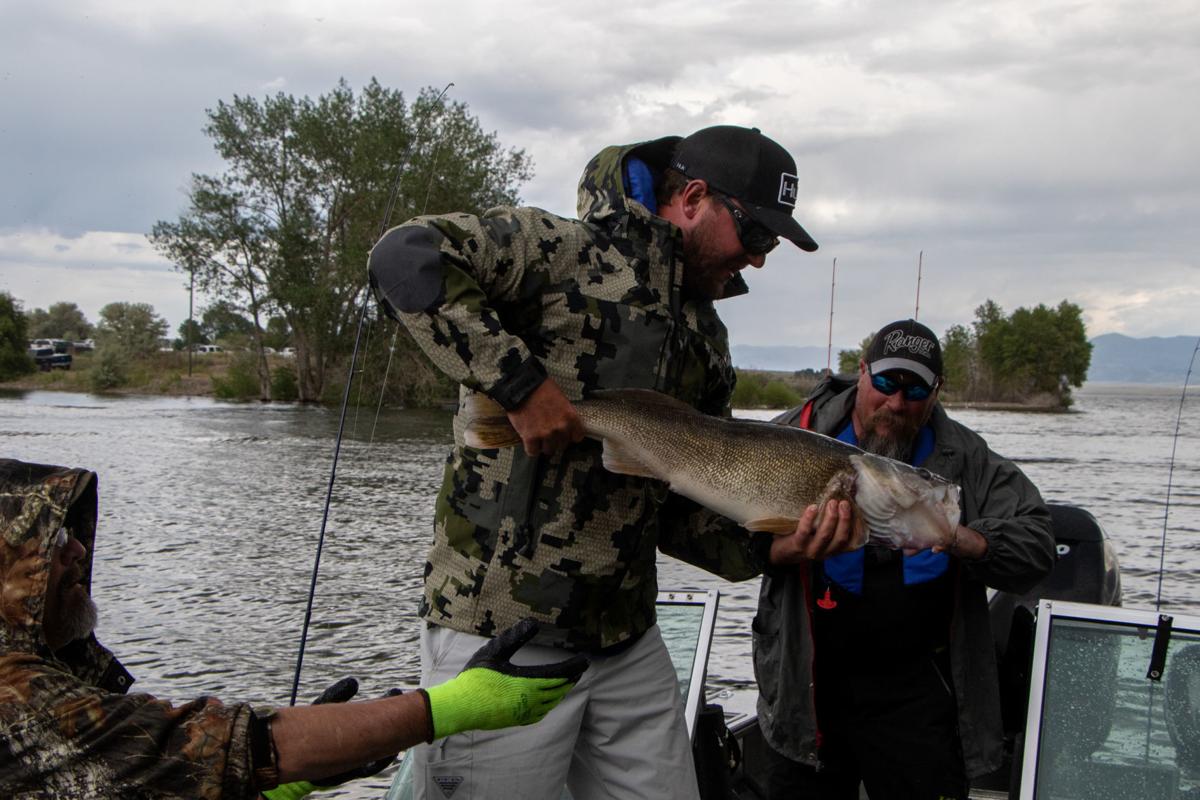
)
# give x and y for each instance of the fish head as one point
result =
(904, 506)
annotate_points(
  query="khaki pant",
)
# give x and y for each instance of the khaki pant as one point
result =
(619, 733)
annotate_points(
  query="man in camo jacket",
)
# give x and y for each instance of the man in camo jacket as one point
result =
(69, 731)
(535, 311)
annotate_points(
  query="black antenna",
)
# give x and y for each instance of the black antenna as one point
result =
(1162, 555)
(337, 448)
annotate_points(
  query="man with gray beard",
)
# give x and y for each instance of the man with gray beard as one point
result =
(876, 665)
(69, 729)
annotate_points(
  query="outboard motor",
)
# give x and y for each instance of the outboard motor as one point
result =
(1086, 572)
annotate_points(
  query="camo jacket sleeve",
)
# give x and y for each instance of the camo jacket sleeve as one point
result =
(61, 738)
(710, 541)
(464, 286)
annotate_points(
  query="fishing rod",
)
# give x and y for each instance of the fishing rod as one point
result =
(1162, 555)
(337, 447)
(829, 341)
(437, 149)
(920, 264)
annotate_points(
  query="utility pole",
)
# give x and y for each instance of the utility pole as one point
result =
(191, 324)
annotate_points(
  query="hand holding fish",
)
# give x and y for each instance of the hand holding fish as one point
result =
(817, 536)
(967, 544)
(546, 421)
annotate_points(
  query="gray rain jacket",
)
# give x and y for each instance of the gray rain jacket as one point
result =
(999, 502)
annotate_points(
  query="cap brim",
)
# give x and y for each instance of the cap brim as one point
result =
(782, 225)
(908, 365)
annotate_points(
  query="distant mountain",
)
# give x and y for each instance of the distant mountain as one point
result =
(1122, 359)
(783, 358)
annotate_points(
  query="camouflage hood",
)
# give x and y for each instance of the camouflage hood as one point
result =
(35, 501)
(604, 200)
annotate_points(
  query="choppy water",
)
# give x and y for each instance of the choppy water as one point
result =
(210, 514)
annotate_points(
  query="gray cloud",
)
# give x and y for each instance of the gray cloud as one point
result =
(1033, 150)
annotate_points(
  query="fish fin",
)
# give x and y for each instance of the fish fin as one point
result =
(862, 532)
(780, 525)
(624, 461)
(486, 425)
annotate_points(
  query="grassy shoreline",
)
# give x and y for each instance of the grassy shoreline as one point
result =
(165, 374)
(162, 374)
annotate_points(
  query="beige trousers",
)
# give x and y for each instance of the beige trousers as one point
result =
(620, 733)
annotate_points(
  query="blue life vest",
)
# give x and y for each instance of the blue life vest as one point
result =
(846, 570)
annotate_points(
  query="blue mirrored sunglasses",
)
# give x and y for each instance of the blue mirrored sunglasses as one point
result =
(889, 386)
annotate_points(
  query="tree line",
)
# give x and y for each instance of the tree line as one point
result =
(1034, 354)
(284, 232)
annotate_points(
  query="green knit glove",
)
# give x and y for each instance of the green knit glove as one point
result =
(289, 791)
(491, 692)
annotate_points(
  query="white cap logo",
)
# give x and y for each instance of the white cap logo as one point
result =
(789, 189)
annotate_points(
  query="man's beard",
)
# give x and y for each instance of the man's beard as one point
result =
(74, 614)
(704, 273)
(897, 442)
(80, 620)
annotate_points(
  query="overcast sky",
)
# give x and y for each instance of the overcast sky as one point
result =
(1035, 151)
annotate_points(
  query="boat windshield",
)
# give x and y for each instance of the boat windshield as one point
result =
(1099, 726)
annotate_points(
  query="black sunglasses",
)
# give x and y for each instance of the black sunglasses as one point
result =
(889, 386)
(756, 239)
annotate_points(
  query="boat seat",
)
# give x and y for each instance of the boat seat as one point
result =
(1182, 706)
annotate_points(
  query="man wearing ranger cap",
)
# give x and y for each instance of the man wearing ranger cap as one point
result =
(876, 665)
(536, 311)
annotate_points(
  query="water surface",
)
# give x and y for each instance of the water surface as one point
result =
(210, 514)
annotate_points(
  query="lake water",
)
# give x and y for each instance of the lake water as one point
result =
(210, 513)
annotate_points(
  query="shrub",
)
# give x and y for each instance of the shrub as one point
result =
(240, 381)
(14, 361)
(283, 383)
(110, 369)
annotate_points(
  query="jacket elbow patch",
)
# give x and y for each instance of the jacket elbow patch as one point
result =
(406, 266)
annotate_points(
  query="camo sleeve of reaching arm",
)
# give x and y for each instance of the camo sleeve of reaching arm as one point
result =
(458, 282)
(60, 738)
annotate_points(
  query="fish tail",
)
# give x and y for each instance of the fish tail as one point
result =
(485, 423)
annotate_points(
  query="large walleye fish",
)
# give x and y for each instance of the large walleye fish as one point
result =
(760, 474)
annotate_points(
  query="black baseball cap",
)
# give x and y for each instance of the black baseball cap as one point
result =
(744, 164)
(906, 345)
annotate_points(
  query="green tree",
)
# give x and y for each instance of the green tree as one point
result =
(286, 229)
(190, 333)
(221, 322)
(848, 359)
(279, 335)
(1047, 351)
(133, 328)
(958, 359)
(14, 342)
(60, 321)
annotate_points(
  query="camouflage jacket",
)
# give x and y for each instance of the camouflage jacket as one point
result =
(67, 729)
(501, 301)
